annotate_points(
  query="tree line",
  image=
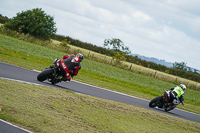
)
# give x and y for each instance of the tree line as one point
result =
(38, 22)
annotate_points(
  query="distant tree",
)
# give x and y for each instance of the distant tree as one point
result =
(181, 66)
(116, 45)
(118, 57)
(35, 22)
(195, 71)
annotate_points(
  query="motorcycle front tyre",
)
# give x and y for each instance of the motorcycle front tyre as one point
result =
(153, 102)
(44, 74)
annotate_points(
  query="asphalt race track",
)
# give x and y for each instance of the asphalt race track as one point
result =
(6, 127)
(21, 74)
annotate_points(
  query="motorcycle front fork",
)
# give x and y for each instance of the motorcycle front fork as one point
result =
(53, 76)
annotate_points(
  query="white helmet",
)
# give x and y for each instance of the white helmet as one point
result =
(183, 86)
(80, 56)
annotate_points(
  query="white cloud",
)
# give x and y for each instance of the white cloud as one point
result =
(138, 15)
(163, 29)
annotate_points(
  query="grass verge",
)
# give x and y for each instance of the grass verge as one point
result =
(45, 109)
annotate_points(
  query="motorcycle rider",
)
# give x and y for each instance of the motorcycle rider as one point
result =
(177, 95)
(69, 67)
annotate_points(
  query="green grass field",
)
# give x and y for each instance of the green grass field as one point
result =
(49, 110)
(37, 57)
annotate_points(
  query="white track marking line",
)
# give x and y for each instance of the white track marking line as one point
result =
(19, 81)
(15, 126)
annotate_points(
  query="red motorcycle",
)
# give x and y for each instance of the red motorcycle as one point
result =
(51, 74)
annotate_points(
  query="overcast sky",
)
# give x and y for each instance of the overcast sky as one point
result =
(164, 29)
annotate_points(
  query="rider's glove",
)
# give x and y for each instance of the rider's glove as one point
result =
(68, 80)
(175, 102)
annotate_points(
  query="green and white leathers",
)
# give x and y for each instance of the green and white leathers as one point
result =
(179, 91)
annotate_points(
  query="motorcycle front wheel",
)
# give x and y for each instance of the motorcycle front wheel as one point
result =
(44, 74)
(153, 102)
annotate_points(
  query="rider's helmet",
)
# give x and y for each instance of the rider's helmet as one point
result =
(80, 56)
(183, 86)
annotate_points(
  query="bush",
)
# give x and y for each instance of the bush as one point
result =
(35, 22)
(3, 19)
